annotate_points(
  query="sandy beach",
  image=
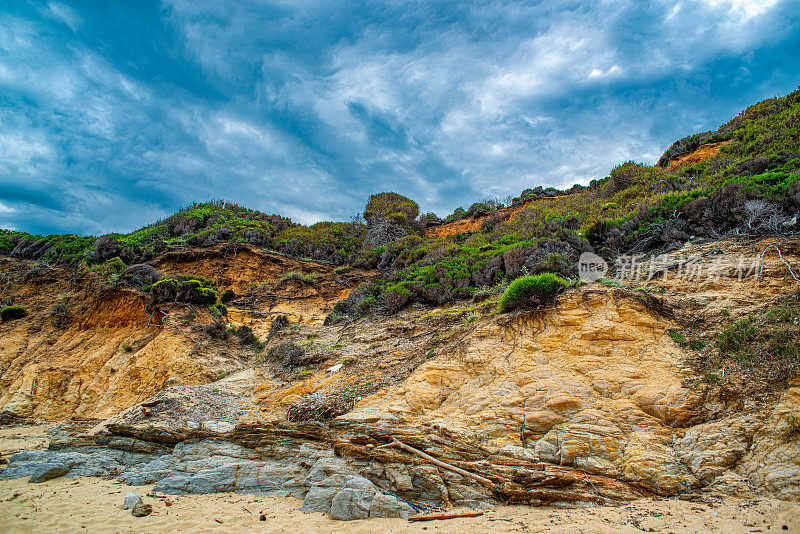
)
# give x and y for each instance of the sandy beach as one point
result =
(95, 505)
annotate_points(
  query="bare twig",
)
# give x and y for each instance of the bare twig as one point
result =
(346, 323)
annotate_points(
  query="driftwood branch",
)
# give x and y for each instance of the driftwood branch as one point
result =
(446, 515)
(761, 267)
(440, 463)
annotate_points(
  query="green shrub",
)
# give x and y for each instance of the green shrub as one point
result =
(10, 313)
(737, 335)
(399, 288)
(324, 240)
(203, 295)
(248, 337)
(218, 309)
(391, 206)
(758, 353)
(189, 290)
(631, 173)
(676, 336)
(696, 344)
(115, 264)
(366, 305)
(531, 291)
(110, 269)
(55, 248)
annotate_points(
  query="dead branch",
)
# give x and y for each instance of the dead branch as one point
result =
(447, 515)
(761, 266)
(346, 323)
(440, 463)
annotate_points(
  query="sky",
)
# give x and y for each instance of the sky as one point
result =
(113, 114)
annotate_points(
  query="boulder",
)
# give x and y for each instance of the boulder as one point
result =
(48, 471)
(131, 500)
(389, 506)
(353, 501)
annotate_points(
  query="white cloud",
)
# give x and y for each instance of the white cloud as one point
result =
(598, 73)
(64, 14)
(24, 151)
(744, 8)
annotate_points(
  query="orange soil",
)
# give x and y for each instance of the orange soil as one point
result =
(699, 155)
(476, 223)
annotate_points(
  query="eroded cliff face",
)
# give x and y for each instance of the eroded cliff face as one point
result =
(112, 349)
(111, 354)
(601, 387)
(589, 400)
(597, 382)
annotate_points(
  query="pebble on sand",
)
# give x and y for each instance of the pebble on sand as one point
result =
(131, 500)
(141, 510)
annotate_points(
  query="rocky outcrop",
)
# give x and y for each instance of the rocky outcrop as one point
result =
(310, 471)
(389, 217)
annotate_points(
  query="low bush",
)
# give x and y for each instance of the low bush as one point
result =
(288, 354)
(193, 292)
(247, 336)
(216, 330)
(531, 291)
(759, 352)
(140, 275)
(327, 241)
(397, 296)
(278, 323)
(391, 206)
(218, 310)
(736, 336)
(110, 270)
(10, 313)
(190, 290)
(164, 290)
(60, 314)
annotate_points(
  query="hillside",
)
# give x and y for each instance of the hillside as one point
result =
(224, 349)
(738, 180)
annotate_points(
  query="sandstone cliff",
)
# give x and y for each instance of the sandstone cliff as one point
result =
(589, 400)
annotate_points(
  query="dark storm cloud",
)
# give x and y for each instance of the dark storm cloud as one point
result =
(113, 114)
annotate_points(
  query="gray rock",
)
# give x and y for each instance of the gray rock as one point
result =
(353, 500)
(351, 503)
(139, 478)
(48, 471)
(319, 499)
(29, 456)
(141, 510)
(131, 500)
(383, 505)
(343, 488)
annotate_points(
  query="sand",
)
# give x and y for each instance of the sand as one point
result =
(95, 505)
